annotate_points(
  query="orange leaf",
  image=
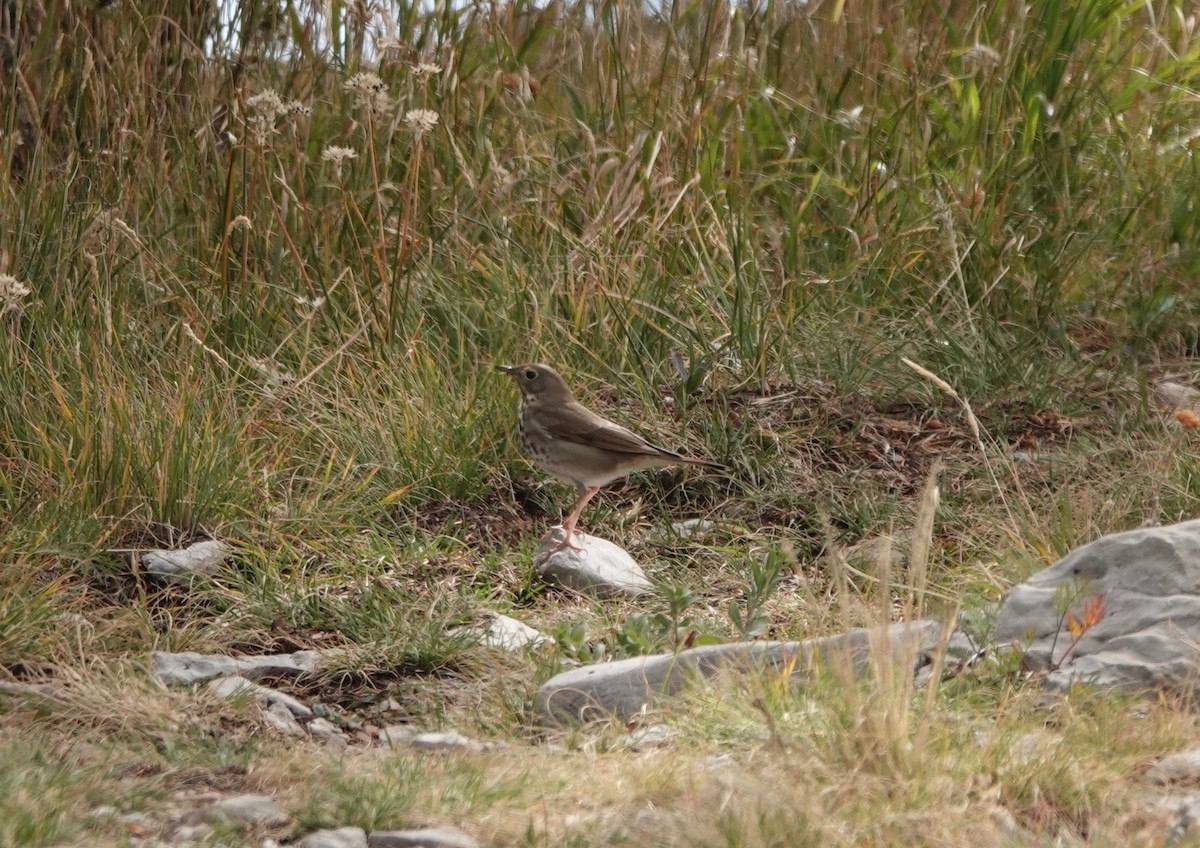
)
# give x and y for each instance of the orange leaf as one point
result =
(1093, 611)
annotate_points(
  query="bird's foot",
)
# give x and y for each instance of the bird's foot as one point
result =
(563, 545)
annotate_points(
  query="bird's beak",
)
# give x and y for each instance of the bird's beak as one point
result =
(507, 369)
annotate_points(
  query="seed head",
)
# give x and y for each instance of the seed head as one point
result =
(421, 121)
(370, 91)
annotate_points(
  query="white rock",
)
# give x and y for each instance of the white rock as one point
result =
(190, 834)
(1149, 583)
(203, 559)
(281, 718)
(231, 687)
(249, 809)
(322, 728)
(644, 738)
(691, 527)
(510, 634)
(396, 734)
(293, 705)
(1182, 767)
(600, 568)
(279, 709)
(1176, 395)
(427, 837)
(449, 740)
(342, 837)
(190, 667)
(336, 742)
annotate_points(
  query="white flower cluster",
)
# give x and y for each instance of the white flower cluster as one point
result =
(265, 109)
(370, 92)
(12, 294)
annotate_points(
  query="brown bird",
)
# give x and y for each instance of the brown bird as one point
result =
(575, 444)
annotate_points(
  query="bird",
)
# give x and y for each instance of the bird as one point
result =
(576, 445)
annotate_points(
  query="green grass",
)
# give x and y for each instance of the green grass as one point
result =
(729, 228)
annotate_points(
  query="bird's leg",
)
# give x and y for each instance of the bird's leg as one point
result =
(585, 495)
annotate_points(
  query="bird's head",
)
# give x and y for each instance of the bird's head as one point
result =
(538, 382)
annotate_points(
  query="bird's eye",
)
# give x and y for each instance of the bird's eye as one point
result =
(530, 374)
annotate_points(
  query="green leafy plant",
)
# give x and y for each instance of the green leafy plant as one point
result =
(762, 579)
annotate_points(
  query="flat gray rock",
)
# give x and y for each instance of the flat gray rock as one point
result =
(601, 568)
(34, 692)
(201, 560)
(426, 837)
(189, 667)
(622, 689)
(342, 837)
(1149, 583)
(247, 809)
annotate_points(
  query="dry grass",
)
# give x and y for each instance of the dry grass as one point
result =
(731, 227)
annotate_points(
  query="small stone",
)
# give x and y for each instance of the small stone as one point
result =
(654, 736)
(1183, 767)
(280, 708)
(719, 761)
(427, 837)
(322, 728)
(280, 717)
(396, 734)
(510, 634)
(691, 527)
(600, 568)
(1034, 746)
(231, 686)
(342, 837)
(867, 553)
(190, 834)
(1185, 810)
(203, 559)
(337, 741)
(449, 740)
(1176, 395)
(293, 705)
(249, 809)
(138, 824)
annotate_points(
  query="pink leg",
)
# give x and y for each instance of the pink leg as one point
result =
(569, 524)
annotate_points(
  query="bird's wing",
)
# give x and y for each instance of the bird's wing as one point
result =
(576, 423)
